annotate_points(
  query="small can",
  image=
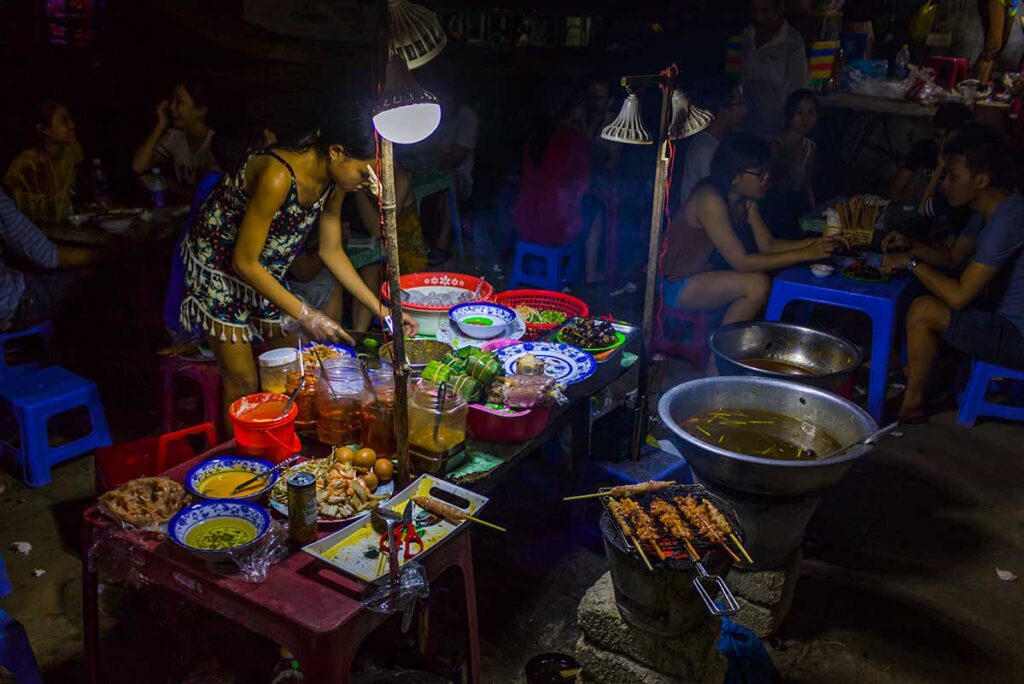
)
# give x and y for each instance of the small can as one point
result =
(302, 508)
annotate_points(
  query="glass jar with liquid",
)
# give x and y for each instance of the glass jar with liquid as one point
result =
(342, 401)
(437, 428)
(379, 428)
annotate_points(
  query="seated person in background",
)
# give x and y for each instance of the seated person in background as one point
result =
(556, 176)
(42, 178)
(923, 165)
(774, 64)
(181, 138)
(708, 222)
(725, 100)
(793, 153)
(950, 256)
(978, 173)
(29, 298)
(861, 16)
(412, 251)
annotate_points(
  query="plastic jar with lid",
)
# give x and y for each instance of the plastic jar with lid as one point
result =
(342, 401)
(275, 365)
(379, 429)
(427, 410)
(305, 422)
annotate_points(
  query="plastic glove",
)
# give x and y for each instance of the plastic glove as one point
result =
(321, 327)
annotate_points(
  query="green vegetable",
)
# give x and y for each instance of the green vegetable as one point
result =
(370, 343)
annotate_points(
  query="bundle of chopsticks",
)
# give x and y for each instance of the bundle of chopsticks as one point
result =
(668, 521)
(857, 218)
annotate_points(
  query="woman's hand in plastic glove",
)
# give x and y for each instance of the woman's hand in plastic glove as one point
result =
(322, 328)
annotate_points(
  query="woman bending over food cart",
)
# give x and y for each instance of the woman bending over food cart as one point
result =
(705, 264)
(250, 229)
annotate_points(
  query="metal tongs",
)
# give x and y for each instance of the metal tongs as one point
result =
(732, 606)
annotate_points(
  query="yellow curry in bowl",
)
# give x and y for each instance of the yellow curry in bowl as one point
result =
(222, 485)
(219, 534)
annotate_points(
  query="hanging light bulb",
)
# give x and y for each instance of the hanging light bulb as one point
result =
(406, 113)
(628, 127)
(687, 118)
(415, 32)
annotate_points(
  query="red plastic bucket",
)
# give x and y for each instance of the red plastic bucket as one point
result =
(275, 439)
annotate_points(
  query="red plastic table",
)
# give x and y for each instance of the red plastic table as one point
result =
(304, 605)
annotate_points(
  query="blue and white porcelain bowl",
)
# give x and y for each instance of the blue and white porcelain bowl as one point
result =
(481, 320)
(207, 473)
(202, 528)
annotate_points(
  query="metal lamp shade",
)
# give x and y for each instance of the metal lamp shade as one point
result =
(628, 127)
(415, 33)
(687, 118)
(406, 113)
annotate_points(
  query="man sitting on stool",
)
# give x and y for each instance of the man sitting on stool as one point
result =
(978, 175)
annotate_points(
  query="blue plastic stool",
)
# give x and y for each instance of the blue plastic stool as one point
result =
(15, 651)
(35, 399)
(972, 400)
(44, 331)
(561, 265)
(877, 300)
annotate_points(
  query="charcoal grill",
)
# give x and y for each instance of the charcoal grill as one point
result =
(655, 600)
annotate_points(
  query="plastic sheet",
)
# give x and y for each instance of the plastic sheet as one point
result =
(253, 563)
(399, 596)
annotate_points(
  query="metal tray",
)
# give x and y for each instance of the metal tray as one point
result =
(355, 549)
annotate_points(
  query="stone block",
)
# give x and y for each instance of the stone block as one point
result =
(608, 667)
(757, 618)
(691, 657)
(765, 586)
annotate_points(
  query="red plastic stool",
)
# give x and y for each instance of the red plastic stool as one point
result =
(948, 70)
(682, 334)
(148, 457)
(205, 376)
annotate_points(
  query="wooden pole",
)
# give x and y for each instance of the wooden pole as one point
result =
(400, 363)
(653, 250)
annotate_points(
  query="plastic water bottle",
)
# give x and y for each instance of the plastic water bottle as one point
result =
(158, 189)
(900, 69)
(100, 184)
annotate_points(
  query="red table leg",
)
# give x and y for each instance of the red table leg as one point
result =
(90, 610)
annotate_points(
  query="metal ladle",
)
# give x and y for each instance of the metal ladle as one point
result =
(870, 439)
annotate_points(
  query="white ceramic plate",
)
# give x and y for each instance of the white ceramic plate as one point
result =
(563, 362)
(448, 333)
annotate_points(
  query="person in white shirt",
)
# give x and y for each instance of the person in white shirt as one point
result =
(181, 138)
(774, 64)
(725, 100)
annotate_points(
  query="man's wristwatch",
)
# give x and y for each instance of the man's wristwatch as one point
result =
(913, 263)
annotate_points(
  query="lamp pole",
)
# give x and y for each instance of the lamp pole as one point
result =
(640, 418)
(388, 209)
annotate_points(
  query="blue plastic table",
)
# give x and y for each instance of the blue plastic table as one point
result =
(877, 300)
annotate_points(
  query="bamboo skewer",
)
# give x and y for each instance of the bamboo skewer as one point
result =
(486, 524)
(609, 492)
(736, 541)
(730, 552)
(692, 551)
(661, 554)
(636, 543)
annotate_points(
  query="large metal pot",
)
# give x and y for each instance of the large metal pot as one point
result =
(773, 499)
(830, 359)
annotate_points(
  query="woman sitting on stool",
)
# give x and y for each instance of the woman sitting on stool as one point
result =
(720, 205)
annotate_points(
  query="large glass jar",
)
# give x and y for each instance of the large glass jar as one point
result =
(379, 427)
(342, 400)
(305, 421)
(437, 429)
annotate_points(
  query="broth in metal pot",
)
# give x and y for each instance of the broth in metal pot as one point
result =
(761, 433)
(776, 366)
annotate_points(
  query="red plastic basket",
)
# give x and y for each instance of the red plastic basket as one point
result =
(540, 300)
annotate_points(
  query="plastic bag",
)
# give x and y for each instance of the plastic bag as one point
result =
(399, 596)
(253, 563)
(923, 22)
